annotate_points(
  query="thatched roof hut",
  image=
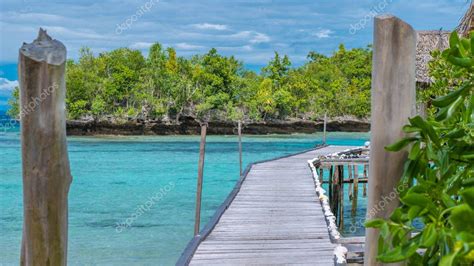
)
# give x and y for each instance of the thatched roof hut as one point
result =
(426, 42)
(466, 24)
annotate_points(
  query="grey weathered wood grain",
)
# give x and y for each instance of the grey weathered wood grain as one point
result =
(392, 103)
(46, 173)
(275, 218)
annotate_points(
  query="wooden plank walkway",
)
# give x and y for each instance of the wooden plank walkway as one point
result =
(272, 217)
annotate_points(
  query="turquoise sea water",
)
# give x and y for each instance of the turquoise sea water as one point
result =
(114, 176)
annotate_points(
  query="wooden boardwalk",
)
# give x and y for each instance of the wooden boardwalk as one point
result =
(272, 217)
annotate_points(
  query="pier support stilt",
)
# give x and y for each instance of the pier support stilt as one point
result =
(355, 192)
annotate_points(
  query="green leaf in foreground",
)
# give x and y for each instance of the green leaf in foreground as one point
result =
(468, 196)
(462, 218)
(375, 223)
(429, 236)
(397, 146)
(399, 253)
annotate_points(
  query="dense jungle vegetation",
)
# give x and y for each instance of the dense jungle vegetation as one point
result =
(124, 84)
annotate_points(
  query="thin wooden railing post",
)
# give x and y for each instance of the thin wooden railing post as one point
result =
(202, 152)
(46, 171)
(393, 102)
(324, 128)
(240, 146)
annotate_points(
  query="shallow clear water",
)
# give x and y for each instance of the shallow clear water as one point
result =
(114, 176)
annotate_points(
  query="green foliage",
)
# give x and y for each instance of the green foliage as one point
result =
(77, 108)
(440, 174)
(340, 85)
(446, 77)
(277, 69)
(14, 110)
(123, 83)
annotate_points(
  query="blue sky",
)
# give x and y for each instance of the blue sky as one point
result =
(249, 29)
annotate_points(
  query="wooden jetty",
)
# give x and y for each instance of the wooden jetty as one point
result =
(272, 216)
(335, 165)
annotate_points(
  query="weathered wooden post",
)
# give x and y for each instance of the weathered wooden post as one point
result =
(340, 199)
(351, 180)
(240, 146)
(324, 127)
(355, 193)
(335, 189)
(46, 172)
(321, 175)
(366, 176)
(393, 102)
(202, 152)
(330, 186)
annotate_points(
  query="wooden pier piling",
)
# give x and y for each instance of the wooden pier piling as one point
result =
(340, 187)
(393, 102)
(321, 175)
(324, 127)
(240, 146)
(330, 184)
(349, 170)
(355, 192)
(364, 193)
(46, 172)
(202, 153)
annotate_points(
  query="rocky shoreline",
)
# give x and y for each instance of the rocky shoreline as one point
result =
(189, 126)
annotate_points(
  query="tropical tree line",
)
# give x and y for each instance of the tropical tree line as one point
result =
(125, 84)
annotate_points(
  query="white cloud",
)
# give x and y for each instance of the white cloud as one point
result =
(209, 26)
(37, 17)
(252, 37)
(241, 35)
(260, 38)
(69, 33)
(323, 33)
(7, 85)
(235, 49)
(251, 29)
(186, 46)
(141, 45)
(247, 48)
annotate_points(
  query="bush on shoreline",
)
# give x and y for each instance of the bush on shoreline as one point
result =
(124, 84)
